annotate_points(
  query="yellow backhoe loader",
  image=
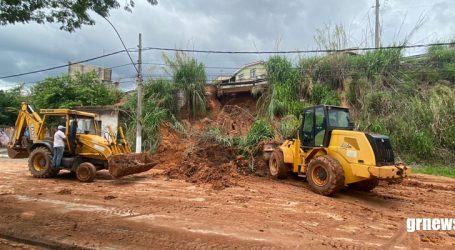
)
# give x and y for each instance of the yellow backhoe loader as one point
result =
(331, 155)
(85, 150)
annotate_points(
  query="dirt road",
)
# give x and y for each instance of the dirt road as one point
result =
(150, 211)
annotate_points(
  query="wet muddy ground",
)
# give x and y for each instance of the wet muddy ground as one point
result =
(150, 210)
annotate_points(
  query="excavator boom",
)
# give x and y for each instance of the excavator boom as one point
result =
(27, 129)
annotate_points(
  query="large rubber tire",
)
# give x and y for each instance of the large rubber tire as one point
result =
(86, 172)
(277, 168)
(366, 185)
(40, 163)
(325, 175)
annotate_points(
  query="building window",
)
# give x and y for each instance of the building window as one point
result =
(252, 73)
(241, 77)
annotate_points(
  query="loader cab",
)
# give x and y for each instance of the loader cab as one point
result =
(76, 123)
(319, 122)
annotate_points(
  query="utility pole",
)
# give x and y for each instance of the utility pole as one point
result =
(139, 98)
(376, 27)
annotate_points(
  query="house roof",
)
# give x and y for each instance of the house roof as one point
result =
(247, 65)
(97, 108)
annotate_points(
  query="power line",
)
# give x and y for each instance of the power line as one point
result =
(233, 52)
(300, 51)
(124, 46)
(62, 66)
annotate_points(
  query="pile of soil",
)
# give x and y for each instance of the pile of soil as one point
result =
(172, 148)
(191, 158)
(207, 163)
(234, 120)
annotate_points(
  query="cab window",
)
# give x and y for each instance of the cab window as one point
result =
(320, 127)
(84, 125)
(307, 129)
(339, 118)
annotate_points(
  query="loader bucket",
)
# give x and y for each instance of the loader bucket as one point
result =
(16, 153)
(125, 164)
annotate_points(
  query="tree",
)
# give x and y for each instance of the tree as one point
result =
(69, 91)
(71, 14)
(282, 96)
(10, 101)
(189, 76)
(159, 108)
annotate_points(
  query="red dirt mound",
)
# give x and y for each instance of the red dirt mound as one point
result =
(234, 120)
(171, 149)
(207, 163)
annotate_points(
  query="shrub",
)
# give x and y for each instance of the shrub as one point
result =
(322, 94)
(10, 101)
(260, 130)
(422, 145)
(217, 136)
(289, 126)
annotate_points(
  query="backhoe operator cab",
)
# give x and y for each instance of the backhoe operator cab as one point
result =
(332, 155)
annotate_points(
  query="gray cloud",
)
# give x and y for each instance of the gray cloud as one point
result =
(224, 25)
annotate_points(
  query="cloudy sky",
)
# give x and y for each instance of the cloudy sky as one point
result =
(236, 25)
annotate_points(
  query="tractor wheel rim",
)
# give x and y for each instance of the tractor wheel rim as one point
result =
(320, 176)
(274, 166)
(83, 173)
(39, 162)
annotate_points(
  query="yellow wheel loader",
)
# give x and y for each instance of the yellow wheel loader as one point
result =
(331, 155)
(85, 150)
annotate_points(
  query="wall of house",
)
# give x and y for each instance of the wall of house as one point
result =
(104, 74)
(108, 118)
(260, 72)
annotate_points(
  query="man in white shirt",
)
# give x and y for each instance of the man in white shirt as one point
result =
(59, 146)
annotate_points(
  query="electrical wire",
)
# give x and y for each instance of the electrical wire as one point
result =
(300, 51)
(225, 52)
(62, 66)
(124, 46)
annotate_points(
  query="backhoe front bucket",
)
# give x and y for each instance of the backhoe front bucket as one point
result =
(16, 153)
(125, 164)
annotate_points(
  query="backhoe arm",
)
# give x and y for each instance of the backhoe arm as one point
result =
(26, 119)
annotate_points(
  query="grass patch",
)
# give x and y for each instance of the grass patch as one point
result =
(435, 170)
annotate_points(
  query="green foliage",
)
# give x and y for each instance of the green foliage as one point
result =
(69, 91)
(189, 76)
(435, 170)
(215, 135)
(10, 101)
(289, 126)
(70, 14)
(441, 55)
(378, 102)
(283, 92)
(333, 70)
(376, 63)
(260, 130)
(422, 144)
(159, 108)
(409, 99)
(321, 94)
